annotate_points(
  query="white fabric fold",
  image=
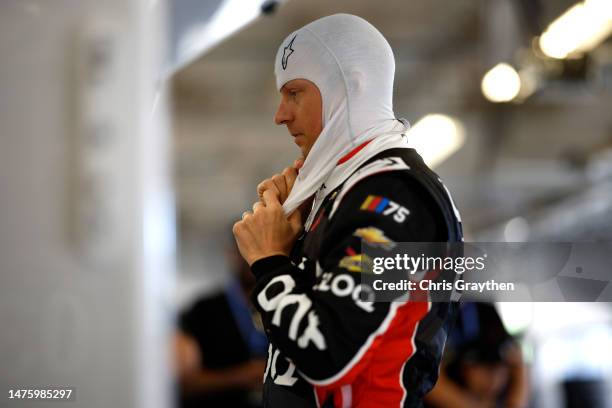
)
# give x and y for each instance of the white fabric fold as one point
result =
(343, 171)
(353, 66)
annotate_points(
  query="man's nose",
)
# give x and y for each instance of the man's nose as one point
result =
(283, 115)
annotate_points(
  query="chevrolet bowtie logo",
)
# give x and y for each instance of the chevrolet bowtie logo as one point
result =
(287, 51)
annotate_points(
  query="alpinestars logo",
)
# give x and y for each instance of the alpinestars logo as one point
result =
(287, 51)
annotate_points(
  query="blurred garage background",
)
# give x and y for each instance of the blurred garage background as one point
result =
(533, 168)
(527, 156)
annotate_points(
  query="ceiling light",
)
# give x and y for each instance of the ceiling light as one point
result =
(436, 137)
(501, 84)
(578, 30)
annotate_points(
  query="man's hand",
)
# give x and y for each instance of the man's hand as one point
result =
(281, 184)
(266, 231)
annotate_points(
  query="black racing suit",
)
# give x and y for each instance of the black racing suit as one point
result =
(329, 348)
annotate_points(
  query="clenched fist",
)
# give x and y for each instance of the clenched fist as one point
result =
(266, 231)
(281, 184)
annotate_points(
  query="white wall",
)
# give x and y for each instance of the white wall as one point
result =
(85, 215)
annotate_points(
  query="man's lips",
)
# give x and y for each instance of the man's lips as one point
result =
(297, 138)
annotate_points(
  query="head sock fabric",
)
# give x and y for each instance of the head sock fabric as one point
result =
(353, 66)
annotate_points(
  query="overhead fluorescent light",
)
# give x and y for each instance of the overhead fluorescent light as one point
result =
(197, 26)
(436, 137)
(578, 30)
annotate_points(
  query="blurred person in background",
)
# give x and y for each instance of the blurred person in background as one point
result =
(358, 179)
(483, 365)
(220, 346)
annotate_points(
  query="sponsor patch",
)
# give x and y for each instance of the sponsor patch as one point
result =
(384, 206)
(354, 263)
(351, 263)
(374, 237)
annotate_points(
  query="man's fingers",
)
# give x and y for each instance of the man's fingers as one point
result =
(243, 237)
(290, 174)
(270, 199)
(238, 231)
(257, 206)
(267, 184)
(281, 185)
(245, 215)
(236, 228)
(261, 187)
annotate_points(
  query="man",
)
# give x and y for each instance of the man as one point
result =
(483, 363)
(219, 347)
(357, 179)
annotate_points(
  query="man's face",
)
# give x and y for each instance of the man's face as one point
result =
(300, 110)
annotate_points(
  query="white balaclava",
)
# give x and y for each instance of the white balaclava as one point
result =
(353, 66)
